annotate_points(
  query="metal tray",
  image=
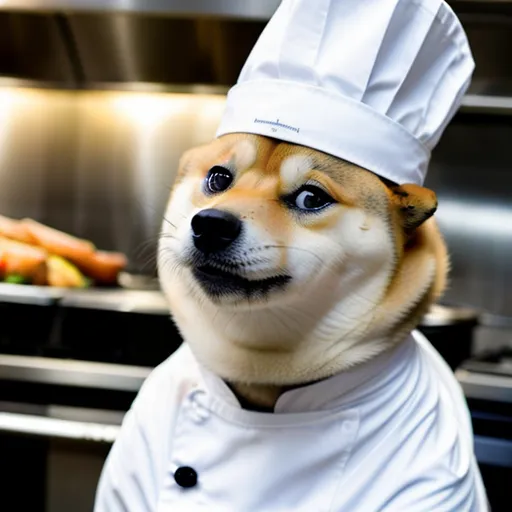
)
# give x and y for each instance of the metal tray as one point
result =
(29, 294)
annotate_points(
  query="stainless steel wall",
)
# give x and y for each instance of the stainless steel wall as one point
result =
(100, 165)
(472, 173)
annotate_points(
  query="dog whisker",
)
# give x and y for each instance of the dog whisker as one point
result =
(169, 222)
(166, 257)
(281, 320)
(229, 321)
(147, 244)
(150, 243)
(150, 262)
(167, 235)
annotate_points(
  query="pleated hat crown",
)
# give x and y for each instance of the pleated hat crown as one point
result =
(374, 82)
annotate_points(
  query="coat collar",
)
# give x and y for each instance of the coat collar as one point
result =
(343, 389)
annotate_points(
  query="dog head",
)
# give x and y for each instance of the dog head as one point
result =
(283, 265)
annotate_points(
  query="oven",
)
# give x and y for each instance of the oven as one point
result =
(487, 383)
(68, 374)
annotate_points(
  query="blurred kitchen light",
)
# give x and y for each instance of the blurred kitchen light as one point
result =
(11, 97)
(146, 109)
(149, 110)
(212, 109)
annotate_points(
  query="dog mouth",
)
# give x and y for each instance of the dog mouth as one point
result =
(218, 282)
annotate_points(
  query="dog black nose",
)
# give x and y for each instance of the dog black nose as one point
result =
(214, 230)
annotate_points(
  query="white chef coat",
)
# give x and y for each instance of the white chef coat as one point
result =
(393, 435)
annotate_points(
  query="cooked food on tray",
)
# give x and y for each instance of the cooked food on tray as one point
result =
(32, 253)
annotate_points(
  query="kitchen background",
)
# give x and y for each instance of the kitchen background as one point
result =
(98, 100)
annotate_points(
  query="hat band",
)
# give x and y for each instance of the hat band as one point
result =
(327, 122)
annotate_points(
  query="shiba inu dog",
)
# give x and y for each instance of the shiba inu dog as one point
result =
(298, 254)
(284, 265)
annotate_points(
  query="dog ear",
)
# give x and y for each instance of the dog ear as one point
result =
(414, 204)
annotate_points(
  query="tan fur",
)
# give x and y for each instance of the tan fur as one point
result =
(364, 271)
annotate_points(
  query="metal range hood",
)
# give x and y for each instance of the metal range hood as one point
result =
(180, 44)
(104, 43)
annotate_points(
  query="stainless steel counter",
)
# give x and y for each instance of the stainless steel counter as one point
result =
(130, 378)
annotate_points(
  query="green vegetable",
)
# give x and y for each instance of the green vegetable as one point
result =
(88, 282)
(15, 279)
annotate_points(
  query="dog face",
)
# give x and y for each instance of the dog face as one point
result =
(277, 259)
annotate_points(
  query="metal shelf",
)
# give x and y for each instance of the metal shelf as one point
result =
(58, 428)
(483, 386)
(246, 9)
(486, 104)
(66, 372)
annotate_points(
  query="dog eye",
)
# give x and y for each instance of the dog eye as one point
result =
(311, 198)
(218, 179)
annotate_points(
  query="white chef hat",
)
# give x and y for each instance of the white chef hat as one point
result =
(374, 82)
